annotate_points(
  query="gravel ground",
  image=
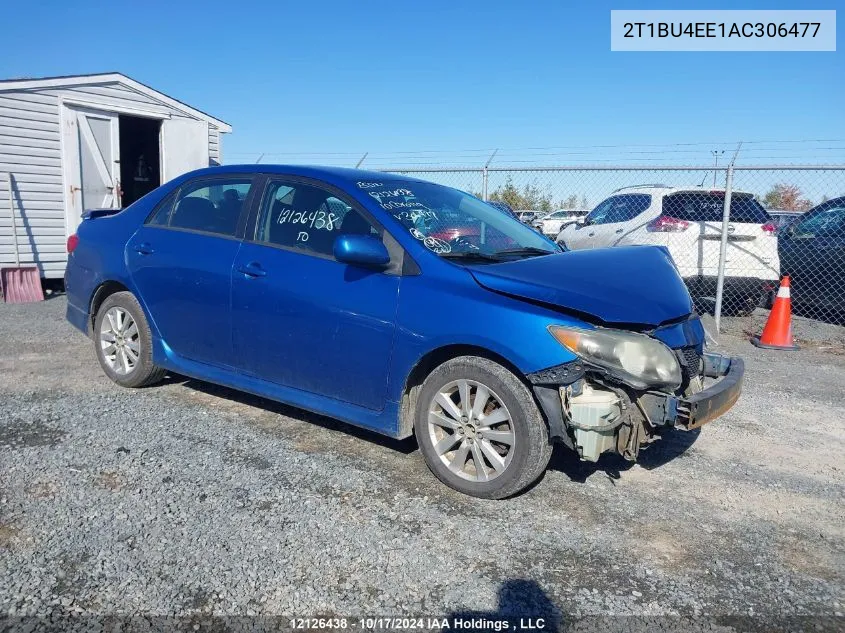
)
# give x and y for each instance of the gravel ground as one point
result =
(191, 500)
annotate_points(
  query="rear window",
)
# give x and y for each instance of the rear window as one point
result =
(706, 206)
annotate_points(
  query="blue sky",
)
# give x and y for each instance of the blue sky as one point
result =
(330, 80)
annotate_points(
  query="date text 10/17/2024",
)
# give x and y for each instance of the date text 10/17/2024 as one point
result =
(452, 623)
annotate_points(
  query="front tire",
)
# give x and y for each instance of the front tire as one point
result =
(480, 430)
(123, 342)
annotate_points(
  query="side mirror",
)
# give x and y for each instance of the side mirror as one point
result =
(361, 250)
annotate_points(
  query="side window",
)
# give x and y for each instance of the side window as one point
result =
(619, 208)
(211, 206)
(599, 214)
(161, 214)
(629, 206)
(307, 218)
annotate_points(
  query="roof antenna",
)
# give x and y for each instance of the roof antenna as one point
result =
(358, 164)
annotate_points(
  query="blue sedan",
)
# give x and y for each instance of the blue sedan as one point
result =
(400, 306)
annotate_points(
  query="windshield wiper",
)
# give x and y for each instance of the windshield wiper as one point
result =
(476, 255)
(525, 250)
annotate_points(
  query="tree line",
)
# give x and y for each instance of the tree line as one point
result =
(782, 196)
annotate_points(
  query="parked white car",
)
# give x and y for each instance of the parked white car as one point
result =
(551, 224)
(688, 221)
(527, 216)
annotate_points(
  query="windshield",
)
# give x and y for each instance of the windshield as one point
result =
(825, 222)
(450, 223)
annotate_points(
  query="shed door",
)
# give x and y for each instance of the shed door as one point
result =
(184, 145)
(92, 161)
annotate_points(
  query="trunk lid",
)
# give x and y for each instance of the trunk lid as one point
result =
(751, 251)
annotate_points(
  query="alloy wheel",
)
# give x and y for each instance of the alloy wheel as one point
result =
(471, 430)
(120, 341)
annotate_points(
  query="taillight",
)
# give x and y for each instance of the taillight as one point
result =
(769, 228)
(665, 224)
(72, 243)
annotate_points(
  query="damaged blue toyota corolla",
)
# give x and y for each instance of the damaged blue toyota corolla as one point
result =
(400, 306)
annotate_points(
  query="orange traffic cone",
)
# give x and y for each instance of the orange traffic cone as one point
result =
(777, 334)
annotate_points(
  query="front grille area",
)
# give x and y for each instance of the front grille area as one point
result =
(690, 360)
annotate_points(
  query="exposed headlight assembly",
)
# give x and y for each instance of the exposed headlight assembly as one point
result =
(635, 359)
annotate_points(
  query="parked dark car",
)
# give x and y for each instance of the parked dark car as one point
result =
(812, 253)
(330, 290)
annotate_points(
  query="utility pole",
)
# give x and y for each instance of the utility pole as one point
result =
(716, 153)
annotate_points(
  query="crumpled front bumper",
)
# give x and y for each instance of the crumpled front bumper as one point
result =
(695, 410)
(698, 409)
(554, 386)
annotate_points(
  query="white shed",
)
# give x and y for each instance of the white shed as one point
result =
(88, 142)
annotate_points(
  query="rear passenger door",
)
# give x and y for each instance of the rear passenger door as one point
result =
(181, 262)
(302, 319)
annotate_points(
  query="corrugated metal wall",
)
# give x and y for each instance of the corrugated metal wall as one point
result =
(30, 148)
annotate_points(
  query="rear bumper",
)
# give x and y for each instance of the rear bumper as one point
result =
(77, 279)
(77, 317)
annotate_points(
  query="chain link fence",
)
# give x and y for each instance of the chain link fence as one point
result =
(733, 231)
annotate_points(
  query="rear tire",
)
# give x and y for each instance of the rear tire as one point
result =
(503, 430)
(123, 342)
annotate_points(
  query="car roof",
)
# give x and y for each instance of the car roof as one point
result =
(334, 175)
(666, 190)
(829, 203)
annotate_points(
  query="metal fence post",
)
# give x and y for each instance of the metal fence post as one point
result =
(723, 248)
(484, 175)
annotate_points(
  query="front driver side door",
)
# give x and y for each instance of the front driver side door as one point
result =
(303, 319)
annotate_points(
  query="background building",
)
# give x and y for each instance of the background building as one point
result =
(68, 144)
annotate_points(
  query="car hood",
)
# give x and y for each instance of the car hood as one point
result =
(631, 284)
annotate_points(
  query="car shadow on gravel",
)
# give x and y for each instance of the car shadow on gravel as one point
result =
(405, 446)
(520, 603)
(673, 444)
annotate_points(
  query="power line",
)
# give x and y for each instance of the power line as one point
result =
(558, 147)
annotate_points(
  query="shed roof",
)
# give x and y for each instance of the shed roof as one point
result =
(35, 83)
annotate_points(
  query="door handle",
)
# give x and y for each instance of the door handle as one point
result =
(619, 230)
(252, 269)
(144, 249)
(590, 234)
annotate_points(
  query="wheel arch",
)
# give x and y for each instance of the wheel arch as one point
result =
(430, 361)
(100, 294)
